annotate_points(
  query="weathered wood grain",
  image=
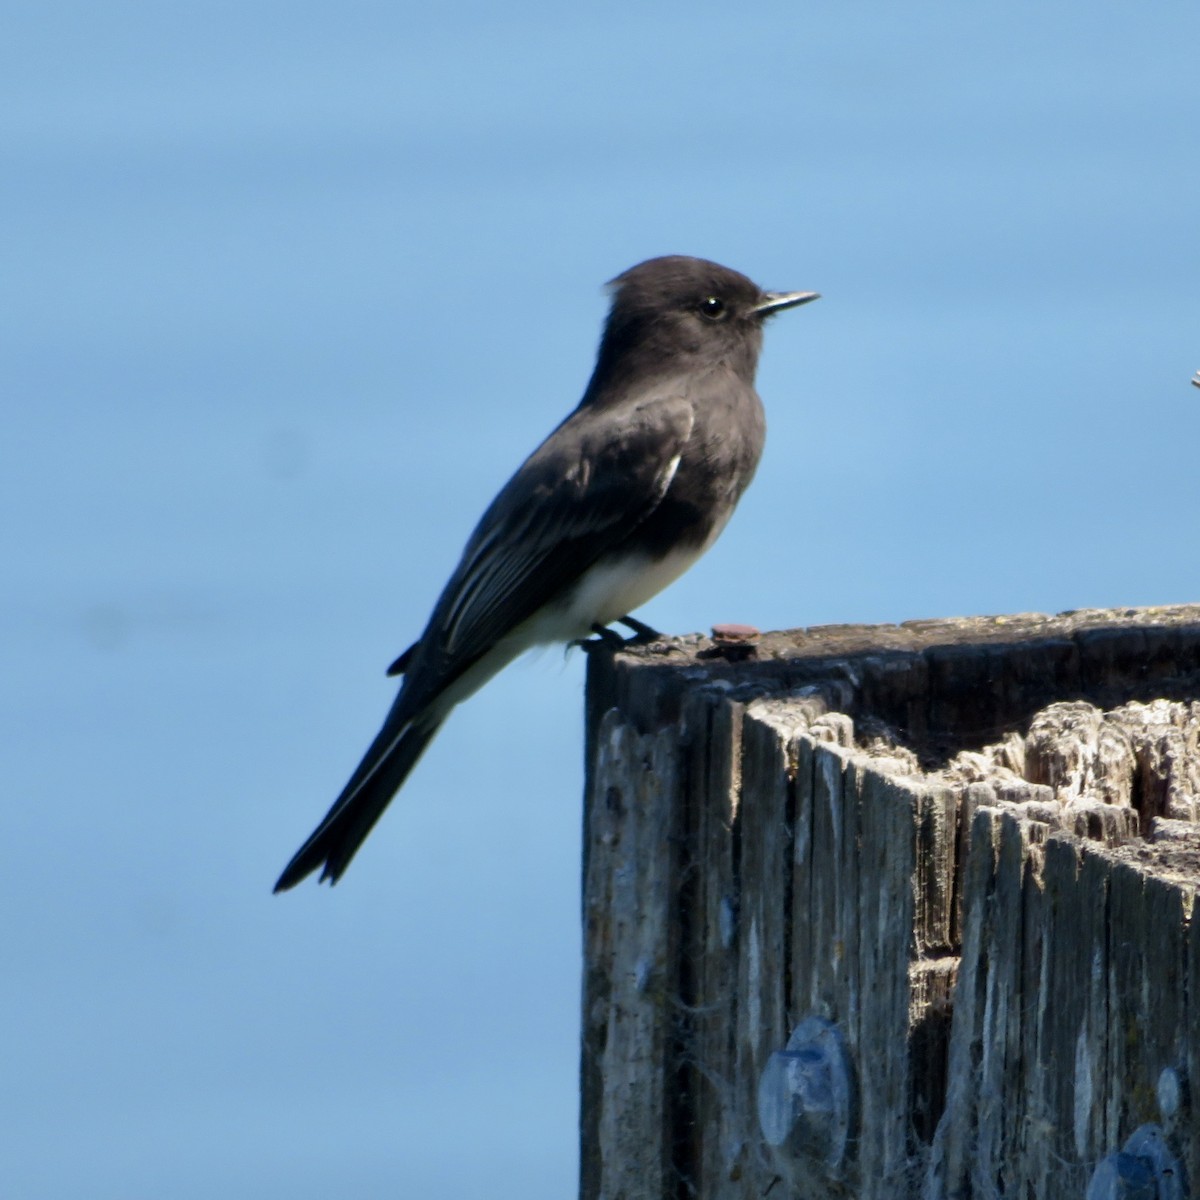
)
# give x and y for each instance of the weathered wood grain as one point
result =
(969, 844)
(1060, 1035)
(631, 960)
(766, 818)
(715, 1143)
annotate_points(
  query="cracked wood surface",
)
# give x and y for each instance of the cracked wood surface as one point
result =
(971, 843)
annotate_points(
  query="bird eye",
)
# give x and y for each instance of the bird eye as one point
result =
(713, 308)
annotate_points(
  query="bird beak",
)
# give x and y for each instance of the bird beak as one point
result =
(773, 302)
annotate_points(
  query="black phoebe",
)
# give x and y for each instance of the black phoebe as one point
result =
(614, 505)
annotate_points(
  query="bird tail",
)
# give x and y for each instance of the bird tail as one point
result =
(384, 767)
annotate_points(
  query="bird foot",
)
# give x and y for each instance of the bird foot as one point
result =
(605, 639)
(609, 639)
(643, 634)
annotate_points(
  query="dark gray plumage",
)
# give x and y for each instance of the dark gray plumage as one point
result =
(614, 505)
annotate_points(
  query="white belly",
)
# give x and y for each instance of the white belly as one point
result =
(616, 589)
(606, 592)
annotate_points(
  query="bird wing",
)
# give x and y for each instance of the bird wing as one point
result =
(578, 496)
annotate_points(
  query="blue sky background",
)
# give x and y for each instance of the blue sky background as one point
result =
(288, 290)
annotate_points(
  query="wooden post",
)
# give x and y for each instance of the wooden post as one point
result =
(954, 862)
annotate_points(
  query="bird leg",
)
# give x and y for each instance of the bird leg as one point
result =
(642, 633)
(609, 639)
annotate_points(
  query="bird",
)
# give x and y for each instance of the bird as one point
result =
(625, 494)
